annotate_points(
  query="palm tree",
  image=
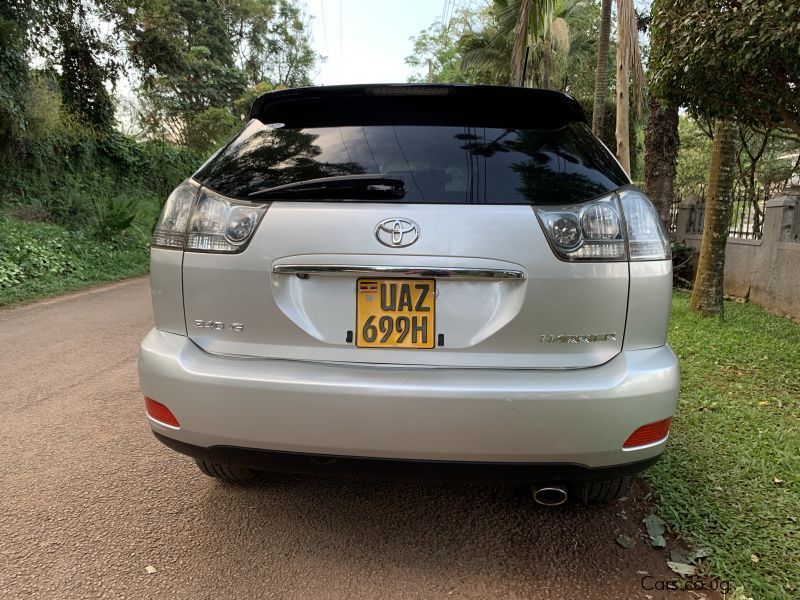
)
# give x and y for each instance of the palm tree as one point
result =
(628, 62)
(534, 29)
(531, 19)
(601, 77)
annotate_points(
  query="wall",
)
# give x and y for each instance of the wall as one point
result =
(765, 271)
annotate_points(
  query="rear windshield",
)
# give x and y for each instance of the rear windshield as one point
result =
(439, 164)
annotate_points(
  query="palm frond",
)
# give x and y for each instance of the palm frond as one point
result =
(559, 35)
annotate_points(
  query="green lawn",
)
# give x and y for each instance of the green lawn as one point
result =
(730, 479)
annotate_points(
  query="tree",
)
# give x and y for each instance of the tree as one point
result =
(707, 294)
(660, 146)
(197, 58)
(87, 63)
(442, 46)
(661, 143)
(560, 59)
(65, 35)
(601, 77)
(272, 42)
(728, 60)
(13, 71)
(629, 65)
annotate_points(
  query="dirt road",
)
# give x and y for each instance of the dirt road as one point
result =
(90, 500)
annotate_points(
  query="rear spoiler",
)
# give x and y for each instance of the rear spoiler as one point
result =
(398, 104)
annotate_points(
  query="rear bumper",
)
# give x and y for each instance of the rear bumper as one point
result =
(324, 464)
(234, 407)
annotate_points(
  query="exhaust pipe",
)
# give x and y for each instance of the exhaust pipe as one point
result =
(551, 494)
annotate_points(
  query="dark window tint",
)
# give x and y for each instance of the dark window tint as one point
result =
(440, 164)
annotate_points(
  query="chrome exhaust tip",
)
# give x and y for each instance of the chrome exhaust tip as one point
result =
(551, 494)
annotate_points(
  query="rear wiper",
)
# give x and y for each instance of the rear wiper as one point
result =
(370, 186)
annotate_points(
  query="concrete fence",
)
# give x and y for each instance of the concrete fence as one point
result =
(765, 271)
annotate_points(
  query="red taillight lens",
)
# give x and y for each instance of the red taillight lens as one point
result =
(648, 434)
(159, 412)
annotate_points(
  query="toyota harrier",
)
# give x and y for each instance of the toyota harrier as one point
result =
(435, 281)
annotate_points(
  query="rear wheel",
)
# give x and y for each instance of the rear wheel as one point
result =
(227, 473)
(608, 490)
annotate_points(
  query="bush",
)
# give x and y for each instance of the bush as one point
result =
(38, 259)
(79, 178)
(683, 264)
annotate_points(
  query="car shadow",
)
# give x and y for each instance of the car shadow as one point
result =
(491, 536)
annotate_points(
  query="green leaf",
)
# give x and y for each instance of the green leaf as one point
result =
(624, 541)
(682, 569)
(655, 529)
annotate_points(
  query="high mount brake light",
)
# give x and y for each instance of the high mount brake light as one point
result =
(621, 226)
(201, 220)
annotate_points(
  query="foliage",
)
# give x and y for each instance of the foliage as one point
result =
(767, 160)
(61, 168)
(563, 59)
(442, 46)
(245, 101)
(13, 70)
(208, 129)
(730, 478)
(476, 46)
(84, 72)
(694, 157)
(682, 267)
(272, 41)
(197, 59)
(40, 259)
(111, 217)
(734, 59)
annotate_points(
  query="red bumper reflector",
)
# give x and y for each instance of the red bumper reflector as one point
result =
(648, 434)
(159, 412)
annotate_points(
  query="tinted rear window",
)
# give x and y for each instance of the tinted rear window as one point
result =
(440, 164)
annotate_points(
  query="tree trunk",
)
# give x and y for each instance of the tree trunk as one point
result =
(601, 76)
(547, 61)
(660, 155)
(622, 131)
(708, 291)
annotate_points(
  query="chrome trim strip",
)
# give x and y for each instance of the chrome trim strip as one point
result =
(401, 271)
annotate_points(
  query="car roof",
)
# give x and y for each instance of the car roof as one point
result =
(538, 108)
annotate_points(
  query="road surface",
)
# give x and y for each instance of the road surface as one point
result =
(94, 507)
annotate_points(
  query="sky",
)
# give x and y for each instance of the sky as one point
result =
(366, 41)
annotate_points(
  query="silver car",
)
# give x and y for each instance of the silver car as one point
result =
(425, 281)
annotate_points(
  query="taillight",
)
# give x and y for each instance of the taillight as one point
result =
(201, 220)
(647, 236)
(171, 228)
(219, 224)
(591, 231)
(623, 225)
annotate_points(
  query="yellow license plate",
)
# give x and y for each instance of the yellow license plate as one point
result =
(395, 313)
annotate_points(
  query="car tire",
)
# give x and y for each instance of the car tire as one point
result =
(608, 490)
(226, 473)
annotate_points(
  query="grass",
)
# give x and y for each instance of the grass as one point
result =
(730, 479)
(38, 260)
